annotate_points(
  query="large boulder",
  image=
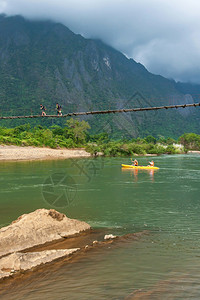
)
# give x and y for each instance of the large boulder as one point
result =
(37, 228)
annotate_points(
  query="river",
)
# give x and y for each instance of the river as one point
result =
(165, 202)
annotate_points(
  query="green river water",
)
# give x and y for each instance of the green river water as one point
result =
(166, 261)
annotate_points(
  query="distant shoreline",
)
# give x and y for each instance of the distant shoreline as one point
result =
(18, 153)
(193, 152)
(30, 153)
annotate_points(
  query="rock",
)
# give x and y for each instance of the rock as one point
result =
(109, 236)
(56, 215)
(25, 261)
(95, 242)
(4, 274)
(37, 228)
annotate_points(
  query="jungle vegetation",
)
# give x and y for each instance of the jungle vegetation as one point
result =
(77, 134)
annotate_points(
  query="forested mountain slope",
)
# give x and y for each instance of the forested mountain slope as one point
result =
(45, 62)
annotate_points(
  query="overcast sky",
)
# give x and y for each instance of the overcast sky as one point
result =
(164, 35)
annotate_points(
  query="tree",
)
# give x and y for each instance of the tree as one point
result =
(77, 130)
(150, 139)
(190, 141)
(170, 141)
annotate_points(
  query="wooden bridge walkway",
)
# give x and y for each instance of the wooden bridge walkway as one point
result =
(100, 112)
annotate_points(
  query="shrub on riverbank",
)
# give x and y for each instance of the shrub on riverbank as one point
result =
(190, 141)
(130, 149)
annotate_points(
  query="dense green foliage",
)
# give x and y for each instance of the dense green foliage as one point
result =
(76, 134)
(131, 147)
(73, 135)
(191, 141)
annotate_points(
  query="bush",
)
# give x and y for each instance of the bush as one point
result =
(92, 149)
(17, 130)
(138, 149)
(150, 139)
(8, 140)
(57, 130)
(172, 150)
(157, 149)
(191, 141)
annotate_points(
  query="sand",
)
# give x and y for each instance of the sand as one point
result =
(16, 153)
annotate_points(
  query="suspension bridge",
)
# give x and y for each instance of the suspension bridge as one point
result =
(100, 112)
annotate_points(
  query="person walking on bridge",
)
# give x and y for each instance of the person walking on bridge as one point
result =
(43, 108)
(59, 109)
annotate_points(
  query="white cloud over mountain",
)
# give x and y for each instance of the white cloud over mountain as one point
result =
(161, 34)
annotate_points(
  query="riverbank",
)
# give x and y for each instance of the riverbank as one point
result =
(193, 152)
(18, 153)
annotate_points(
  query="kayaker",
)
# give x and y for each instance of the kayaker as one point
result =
(135, 163)
(43, 108)
(151, 163)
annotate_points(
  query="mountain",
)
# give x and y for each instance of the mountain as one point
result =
(44, 62)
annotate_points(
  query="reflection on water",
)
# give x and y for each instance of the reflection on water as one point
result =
(162, 265)
(135, 172)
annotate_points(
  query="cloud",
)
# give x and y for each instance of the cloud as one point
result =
(161, 34)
